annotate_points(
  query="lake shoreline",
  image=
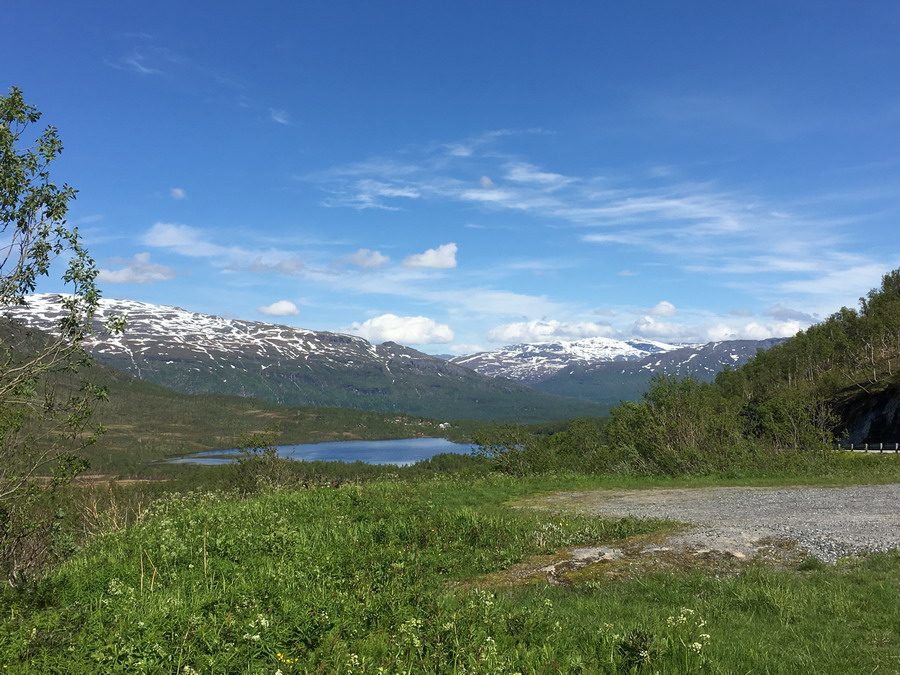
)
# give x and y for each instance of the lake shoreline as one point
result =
(397, 451)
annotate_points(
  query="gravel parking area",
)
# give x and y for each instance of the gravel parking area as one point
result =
(827, 522)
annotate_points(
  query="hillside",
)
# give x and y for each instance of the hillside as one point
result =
(836, 381)
(848, 363)
(201, 354)
(146, 422)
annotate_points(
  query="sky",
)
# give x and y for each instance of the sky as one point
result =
(461, 176)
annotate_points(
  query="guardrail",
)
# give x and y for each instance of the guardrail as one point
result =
(871, 447)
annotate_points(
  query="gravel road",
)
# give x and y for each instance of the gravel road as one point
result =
(827, 522)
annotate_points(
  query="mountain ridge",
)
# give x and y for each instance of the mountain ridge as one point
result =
(198, 353)
(536, 361)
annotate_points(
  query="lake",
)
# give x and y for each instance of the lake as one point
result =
(398, 451)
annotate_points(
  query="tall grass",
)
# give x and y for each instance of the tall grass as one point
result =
(384, 577)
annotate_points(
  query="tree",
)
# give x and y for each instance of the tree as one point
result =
(45, 411)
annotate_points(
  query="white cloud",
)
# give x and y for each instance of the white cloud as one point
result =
(279, 308)
(653, 329)
(191, 242)
(459, 150)
(663, 308)
(182, 239)
(841, 281)
(177, 193)
(521, 172)
(415, 330)
(723, 329)
(280, 116)
(486, 183)
(543, 330)
(368, 193)
(752, 330)
(367, 258)
(442, 257)
(490, 195)
(379, 189)
(136, 62)
(783, 313)
(139, 270)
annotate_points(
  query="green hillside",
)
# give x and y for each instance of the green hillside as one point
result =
(837, 380)
(146, 422)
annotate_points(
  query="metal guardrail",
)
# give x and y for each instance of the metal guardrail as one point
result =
(871, 447)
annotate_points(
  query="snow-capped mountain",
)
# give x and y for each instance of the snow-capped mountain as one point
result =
(199, 353)
(610, 382)
(609, 371)
(538, 361)
(158, 333)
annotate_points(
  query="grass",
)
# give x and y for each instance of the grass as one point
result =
(383, 577)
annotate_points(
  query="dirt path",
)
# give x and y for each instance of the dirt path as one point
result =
(727, 526)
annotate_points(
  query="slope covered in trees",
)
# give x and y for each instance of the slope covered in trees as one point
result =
(836, 381)
(824, 384)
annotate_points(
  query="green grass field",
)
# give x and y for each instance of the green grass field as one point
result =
(395, 576)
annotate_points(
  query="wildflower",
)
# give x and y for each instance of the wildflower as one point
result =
(645, 655)
(697, 646)
(704, 637)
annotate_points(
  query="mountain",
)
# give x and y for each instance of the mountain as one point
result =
(198, 353)
(606, 370)
(146, 423)
(612, 381)
(535, 362)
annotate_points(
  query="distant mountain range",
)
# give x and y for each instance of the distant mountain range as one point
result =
(609, 371)
(198, 353)
(536, 362)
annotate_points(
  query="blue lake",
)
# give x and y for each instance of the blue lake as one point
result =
(399, 451)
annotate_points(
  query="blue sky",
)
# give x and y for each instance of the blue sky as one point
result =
(457, 176)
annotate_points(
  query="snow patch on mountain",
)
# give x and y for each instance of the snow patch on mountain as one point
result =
(537, 361)
(172, 331)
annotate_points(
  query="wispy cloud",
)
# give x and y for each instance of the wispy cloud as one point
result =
(137, 61)
(280, 116)
(698, 227)
(139, 270)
